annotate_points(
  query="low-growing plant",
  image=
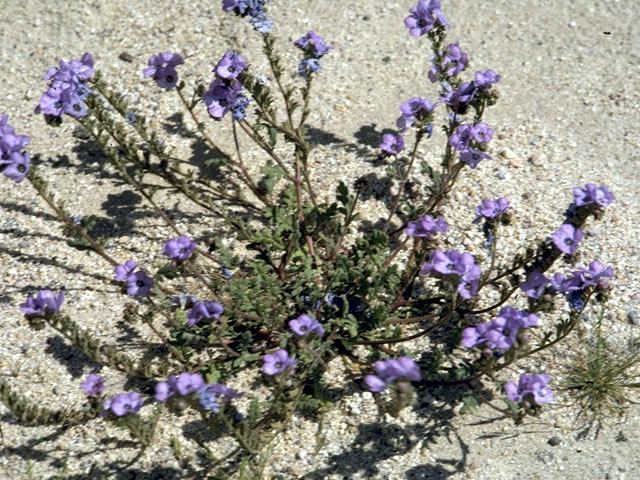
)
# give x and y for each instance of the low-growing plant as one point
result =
(311, 283)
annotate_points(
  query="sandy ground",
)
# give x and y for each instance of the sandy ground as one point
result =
(568, 115)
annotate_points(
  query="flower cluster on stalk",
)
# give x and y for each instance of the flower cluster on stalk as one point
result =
(204, 310)
(14, 160)
(210, 395)
(252, 8)
(224, 92)
(67, 89)
(314, 47)
(530, 388)
(44, 302)
(388, 372)
(502, 332)
(460, 267)
(138, 283)
(425, 16)
(162, 69)
(426, 227)
(179, 248)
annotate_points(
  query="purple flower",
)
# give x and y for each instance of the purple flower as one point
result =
(501, 333)
(535, 284)
(221, 97)
(206, 310)
(278, 362)
(453, 263)
(213, 395)
(592, 194)
(460, 98)
(179, 248)
(596, 275)
(481, 132)
(313, 45)
(124, 403)
(124, 270)
(188, 383)
(239, 107)
(44, 302)
(308, 65)
(166, 390)
(14, 161)
(489, 209)
(388, 371)
(261, 23)
(486, 79)
(451, 63)
(253, 8)
(239, 7)
(93, 385)
(162, 68)
(567, 238)
(426, 227)
(473, 157)
(414, 109)
(304, 325)
(564, 285)
(67, 92)
(534, 385)
(424, 17)
(139, 284)
(461, 137)
(392, 144)
(16, 167)
(230, 65)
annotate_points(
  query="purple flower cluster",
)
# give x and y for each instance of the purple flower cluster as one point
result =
(460, 266)
(14, 160)
(567, 238)
(206, 310)
(467, 140)
(592, 194)
(414, 110)
(44, 302)
(425, 16)
(458, 99)
(501, 333)
(304, 325)
(67, 90)
(162, 68)
(532, 386)
(277, 362)
(184, 384)
(213, 395)
(314, 48)
(596, 276)
(448, 63)
(388, 371)
(224, 92)
(490, 209)
(534, 285)
(252, 8)
(93, 385)
(179, 248)
(392, 144)
(138, 283)
(426, 227)
(123, 403)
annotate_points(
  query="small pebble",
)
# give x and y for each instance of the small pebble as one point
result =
(126, 57)
(632, 316)
(554, 441)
